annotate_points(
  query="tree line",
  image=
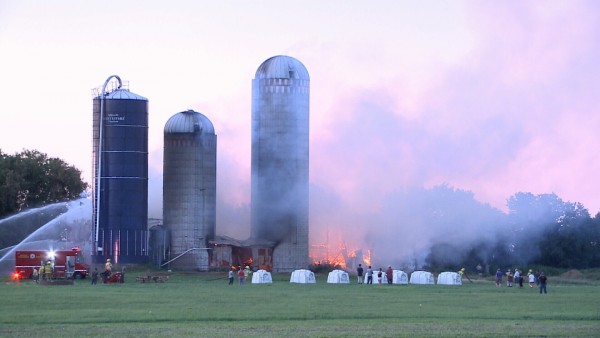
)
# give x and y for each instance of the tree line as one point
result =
(539, 230)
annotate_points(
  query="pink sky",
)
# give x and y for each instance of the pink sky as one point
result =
(490, 97)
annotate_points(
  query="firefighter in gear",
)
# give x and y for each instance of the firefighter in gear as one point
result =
(107, 269)
(462, 274)
(48, 270)
(247, 272)
(42, 272)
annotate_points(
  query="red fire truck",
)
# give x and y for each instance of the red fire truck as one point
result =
(65, 263)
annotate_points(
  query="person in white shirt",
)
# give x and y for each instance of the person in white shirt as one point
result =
(531, 278)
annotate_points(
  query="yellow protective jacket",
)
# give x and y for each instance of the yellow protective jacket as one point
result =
(47, 269)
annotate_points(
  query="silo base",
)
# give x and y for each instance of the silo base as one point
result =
(288, 257)
(196, 260)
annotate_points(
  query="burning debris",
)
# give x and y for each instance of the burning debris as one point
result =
(339, 256)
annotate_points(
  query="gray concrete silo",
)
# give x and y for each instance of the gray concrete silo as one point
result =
(190, 188)
(280, 154)
(120, 181)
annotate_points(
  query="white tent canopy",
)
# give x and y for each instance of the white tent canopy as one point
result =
(449, 278)
(338, 277)
(400, 277)
(261, 276)
(303, 276)
(421, 277)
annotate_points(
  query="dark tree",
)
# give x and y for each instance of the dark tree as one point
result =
(571, 243)
(539, 230)
(593, 240)
(31, 179)
(548, 231)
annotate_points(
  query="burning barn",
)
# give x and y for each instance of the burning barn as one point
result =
(227, 252)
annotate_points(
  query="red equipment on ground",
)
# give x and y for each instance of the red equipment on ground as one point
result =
(63, 263)
(116, 277)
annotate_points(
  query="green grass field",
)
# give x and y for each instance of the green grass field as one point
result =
(204, 305)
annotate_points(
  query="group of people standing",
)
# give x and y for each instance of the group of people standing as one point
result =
(538, 278)
(45, 272)
(243, 274)
(389, 274)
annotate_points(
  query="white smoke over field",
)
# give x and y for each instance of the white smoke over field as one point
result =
(408, 225)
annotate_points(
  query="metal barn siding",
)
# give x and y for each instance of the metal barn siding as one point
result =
(280, 155)
(121, 202)
(190, 188)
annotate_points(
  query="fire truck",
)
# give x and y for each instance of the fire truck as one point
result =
(65, 263)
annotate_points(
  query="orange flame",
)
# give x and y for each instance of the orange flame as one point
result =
(367, 258)
(339, 255)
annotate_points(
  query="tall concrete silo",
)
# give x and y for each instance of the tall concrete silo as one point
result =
(280, 149)
(120, 182)
(190, 188)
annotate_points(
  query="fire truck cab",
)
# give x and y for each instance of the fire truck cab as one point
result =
(65, 263)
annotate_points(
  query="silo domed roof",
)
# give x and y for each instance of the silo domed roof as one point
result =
(124, 94)
(189, 121)
(282, 67)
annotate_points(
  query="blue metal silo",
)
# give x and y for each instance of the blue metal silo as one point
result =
(120, 180)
